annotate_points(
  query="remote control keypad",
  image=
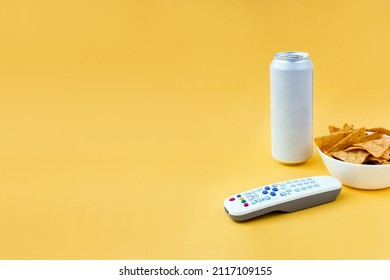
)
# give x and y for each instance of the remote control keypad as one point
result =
(274, 191)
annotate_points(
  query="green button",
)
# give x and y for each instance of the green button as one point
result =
(243, 201)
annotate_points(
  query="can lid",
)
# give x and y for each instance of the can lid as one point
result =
(292, 55)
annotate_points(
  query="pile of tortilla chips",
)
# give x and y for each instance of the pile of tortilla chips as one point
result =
(360, 146)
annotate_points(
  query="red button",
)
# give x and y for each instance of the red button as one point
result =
(232, 199)
(246, 204)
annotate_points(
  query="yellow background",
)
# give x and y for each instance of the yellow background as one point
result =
(125, 124)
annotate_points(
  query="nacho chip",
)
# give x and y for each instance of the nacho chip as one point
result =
(335, 129)
(380, 130)
(375, 147)
(386, 155)
(324, 143)
(372, 136)
(347, 127)
(374, 160)
(355, 137)
(354, 156)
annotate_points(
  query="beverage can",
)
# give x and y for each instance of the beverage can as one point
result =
(291, 81)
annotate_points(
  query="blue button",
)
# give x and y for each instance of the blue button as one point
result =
(272, 193)
(264, 192)
(239, 195)
(267, 188)
(275, 189)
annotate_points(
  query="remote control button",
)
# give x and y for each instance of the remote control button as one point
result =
(310, 186)
(243, 201)
(299, 184)
(267, 197)
(282, 187)
(297, 189)
(267, 188)
(272, 193)
(250, 198)
(255, 195)
(259, 199)
(232, 199)
(264, 192)
(275, 189)
(292, 185)
(239, 195)
(253, 202)
(283, 193)
(274, 185)
(289, 190)
(316, 185)
(246, 204)
(303, 188)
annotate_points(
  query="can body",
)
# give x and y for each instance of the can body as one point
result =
(291, 80)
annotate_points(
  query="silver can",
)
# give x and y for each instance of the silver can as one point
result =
(291, 75)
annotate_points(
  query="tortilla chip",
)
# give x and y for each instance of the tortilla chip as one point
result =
(326, 142)
(386, 155)
(353, 148)
(355, 137)
(335, 129)
(347, 127)
(354, 156)
(372, 136)
(375, 147)
(380, 130)
(374, 160)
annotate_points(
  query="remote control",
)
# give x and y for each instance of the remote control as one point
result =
(288, 196)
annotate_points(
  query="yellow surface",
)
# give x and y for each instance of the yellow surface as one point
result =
(125, 124)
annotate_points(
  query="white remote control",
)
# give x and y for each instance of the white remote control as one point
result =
(288, 196)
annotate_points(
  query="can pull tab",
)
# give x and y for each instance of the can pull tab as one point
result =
(292, 55)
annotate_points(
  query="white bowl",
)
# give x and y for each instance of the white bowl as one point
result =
(360, 176)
